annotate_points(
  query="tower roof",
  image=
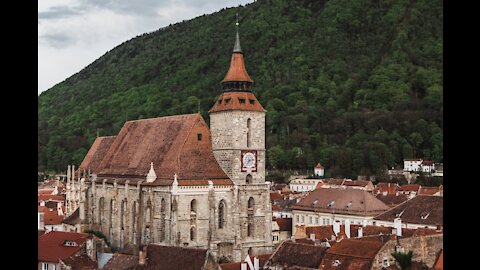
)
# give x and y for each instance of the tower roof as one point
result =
(237, 71)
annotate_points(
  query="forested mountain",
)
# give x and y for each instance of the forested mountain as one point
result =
(355, 85)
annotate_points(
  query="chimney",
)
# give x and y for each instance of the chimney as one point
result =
(397, 224)
(360, 232)
(256, 263)
(142, 256)
(312, 236)
(347, 227)
(336, 227)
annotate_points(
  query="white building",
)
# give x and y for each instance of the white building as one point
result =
(412, 165)
(319, 170)
(303, 185)
(428, 166)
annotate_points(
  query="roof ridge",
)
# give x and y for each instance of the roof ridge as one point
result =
(161, 117)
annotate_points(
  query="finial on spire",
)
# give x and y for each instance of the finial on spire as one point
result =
(151, 176)
(237, 47)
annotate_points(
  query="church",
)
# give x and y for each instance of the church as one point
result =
(174, 181)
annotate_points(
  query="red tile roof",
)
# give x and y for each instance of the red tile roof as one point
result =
(429, 190)
(357, 183)
(96, 153)
(228, 101)
(80, 262)
(427, 162)
(121, 261)
(297, 255)
(170, 143)
(284, 224)
(44, 197)
(389, 188)
(438, 265)
(73, 219)
(275, 196)
(170, 258)
(51, 216)
(413, 187)
(51, 245)
(392, 200)
(237, 71)
(353, 253)
(47, 191)
(319, 166)
(422, 209)
(347, 201)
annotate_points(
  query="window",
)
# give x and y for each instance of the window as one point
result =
(192, 233)
(219, 101)
(250, 203)
(310, 220)
(193, 207)
(44, 266)
(248, 179)
(301, 219)
(298, 218)
(199, 136)
(252, 101)
(227, 100)
(162, 220)
(221, 214)
(242, 100)
(134, 224)
(316, 220)
(249, 123)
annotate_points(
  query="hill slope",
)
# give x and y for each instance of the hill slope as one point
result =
(356, 85)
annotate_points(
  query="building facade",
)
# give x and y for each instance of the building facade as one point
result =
(173, 181)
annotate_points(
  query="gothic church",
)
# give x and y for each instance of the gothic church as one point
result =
(175, 182)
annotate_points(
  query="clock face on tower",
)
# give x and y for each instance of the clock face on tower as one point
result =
(249, 160)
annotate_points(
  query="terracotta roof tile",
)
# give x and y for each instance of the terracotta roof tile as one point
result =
(47, 191)
(121, 262)
(237, 71)
(319, 166)
(43, 197)
(80, 262)
(347, 201)
(172, 145)
(275, 196)
(357, 183)
(284, 224)
(413, 187)
(170, 258)
(392, 200)
(228, 101)
(292, 254)
(50, 216)
(51, 245)
(429, 190)
(73, 219)
(389, 188)
(96, 153)
(421, 209)
(438, 265)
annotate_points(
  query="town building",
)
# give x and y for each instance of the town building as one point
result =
(174, 181)
(412, 165)
(324, 206)
(303, 184)
(281, 229)
(319, 170)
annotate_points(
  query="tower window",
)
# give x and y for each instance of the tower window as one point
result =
(199, 136)
(252, 101)
(248, 179)
(249, 123)
(242, 100)
(221, 214)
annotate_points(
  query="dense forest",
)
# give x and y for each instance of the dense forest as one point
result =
(355, 85)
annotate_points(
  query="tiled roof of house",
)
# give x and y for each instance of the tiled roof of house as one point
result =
(347, 201)
(237, 265)
(45, 197)
(45, 191)
(429, 190)
(274, 196)
(170, 258)
(421, 209)
(51, 245)
(172, 143)
(319, 166)
(438, 265)
(96, 153)
(353, 253)
(80, 262)
(50, 215)
(41, 232)
(297, 255)
(413, 187)
(73, 219)
(245, 101)
(237, 71)
(284, 224)
(392, 200)
(389, 188)
(335, 181)
(121, 262)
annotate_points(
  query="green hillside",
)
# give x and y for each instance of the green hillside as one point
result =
(355, 85)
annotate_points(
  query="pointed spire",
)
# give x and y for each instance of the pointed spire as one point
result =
(237, 48)
(151, 176)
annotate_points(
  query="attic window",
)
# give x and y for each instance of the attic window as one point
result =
(219, 101)
(70, 244)
(336, 263)
(242, 100)
(252, 101)
(199, 136)
(227, 100)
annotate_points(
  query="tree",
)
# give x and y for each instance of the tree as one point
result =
(404, 260)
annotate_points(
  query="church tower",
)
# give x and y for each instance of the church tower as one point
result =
(237, 126)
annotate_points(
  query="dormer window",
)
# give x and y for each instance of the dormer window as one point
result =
(219, 101)
(227, 100)
(242, 100)
(68, 243)
(252, 101)
(199, 136)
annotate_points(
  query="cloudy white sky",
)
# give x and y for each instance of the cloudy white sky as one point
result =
(74, 33)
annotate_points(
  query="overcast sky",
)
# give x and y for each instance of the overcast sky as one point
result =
(74, 33)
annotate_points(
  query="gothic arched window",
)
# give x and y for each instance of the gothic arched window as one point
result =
(193, 206)
(192, 233)
(101, 209)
